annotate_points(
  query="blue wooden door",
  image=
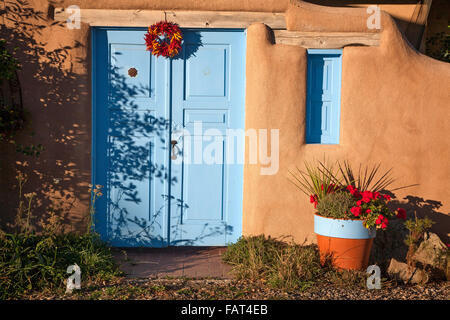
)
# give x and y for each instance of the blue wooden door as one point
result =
(208, 91)
(323, 96)
(140, 103)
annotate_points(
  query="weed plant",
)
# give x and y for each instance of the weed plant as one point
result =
(283, 264)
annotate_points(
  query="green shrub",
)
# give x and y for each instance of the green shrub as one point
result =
(285, 265)
(336, 205)
(416, 228)
(438, 46)
(30, 262)
(8, 64)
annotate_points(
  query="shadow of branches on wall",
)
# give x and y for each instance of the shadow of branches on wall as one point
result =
(429, 208)
(55, 95)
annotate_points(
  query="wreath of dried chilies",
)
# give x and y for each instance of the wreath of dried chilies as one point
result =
(164, 39)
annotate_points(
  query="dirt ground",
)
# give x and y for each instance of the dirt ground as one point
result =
(227, 289)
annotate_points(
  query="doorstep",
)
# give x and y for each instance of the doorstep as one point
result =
(189, 262)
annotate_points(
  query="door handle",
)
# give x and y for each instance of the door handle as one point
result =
(173, 152)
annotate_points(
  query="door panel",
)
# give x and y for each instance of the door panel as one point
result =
(206, 72)
(208, 89)
(131, 139)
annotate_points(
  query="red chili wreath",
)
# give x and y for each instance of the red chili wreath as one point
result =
(164, 39)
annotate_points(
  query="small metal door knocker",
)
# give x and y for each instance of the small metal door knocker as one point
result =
(174, 153)
(132, 72)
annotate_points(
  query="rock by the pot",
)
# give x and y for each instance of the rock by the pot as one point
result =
(401, 271)
(430, 250)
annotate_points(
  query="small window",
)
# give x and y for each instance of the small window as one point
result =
(323, 100)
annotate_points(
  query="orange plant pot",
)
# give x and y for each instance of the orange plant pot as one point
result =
(349, 254)
(346, 243)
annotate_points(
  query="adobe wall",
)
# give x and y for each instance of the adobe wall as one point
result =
(394, 109)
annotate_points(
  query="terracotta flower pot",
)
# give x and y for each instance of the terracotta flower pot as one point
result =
(346, 242)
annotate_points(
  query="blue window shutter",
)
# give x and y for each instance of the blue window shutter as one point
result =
(323, 101)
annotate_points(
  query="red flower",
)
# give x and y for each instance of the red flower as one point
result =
(379, 219)
(313, 199)
(385, 223)
(401, 213)
(353, 191)
(356, 211)
(376, 195)
(387, 197)
(367, 196)
(359, 202)
(368, 211)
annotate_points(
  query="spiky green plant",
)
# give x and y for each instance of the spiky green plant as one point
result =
(318, 179)
(365, 177)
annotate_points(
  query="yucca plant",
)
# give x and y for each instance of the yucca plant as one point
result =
(368, 177)
(317, 181)
(322, 177)
(365, 177)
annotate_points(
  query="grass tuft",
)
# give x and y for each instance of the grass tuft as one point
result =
(283, 264)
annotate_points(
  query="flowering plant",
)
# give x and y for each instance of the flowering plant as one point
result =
(369, 206)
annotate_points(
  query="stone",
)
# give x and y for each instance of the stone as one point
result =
(430, 250)
(401, 271)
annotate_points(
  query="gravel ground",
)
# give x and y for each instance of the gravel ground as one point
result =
(207, 289)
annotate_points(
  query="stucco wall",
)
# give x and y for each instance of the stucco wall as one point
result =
(394, 109)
